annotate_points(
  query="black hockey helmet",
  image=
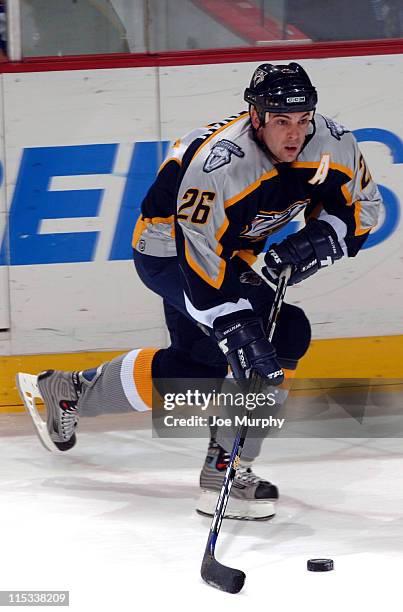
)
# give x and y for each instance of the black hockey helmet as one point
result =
(282, 88)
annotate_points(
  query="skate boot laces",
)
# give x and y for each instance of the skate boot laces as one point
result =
(68, 419)
(247, 476)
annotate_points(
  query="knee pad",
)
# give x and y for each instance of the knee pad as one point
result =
(174, 363)
(293, 333)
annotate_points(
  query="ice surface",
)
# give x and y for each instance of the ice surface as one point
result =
(113, 522)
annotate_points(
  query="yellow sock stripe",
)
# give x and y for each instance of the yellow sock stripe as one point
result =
(289, 373)
(142, 375)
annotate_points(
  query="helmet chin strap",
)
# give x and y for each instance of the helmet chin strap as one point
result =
(262, 145)
(309, 137)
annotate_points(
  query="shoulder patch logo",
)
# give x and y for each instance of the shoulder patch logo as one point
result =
(221, 154)
(336, 129)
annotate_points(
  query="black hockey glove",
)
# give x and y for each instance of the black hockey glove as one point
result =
(247, 350)
(307, 251)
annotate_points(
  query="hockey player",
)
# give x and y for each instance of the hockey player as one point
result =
(220, 193)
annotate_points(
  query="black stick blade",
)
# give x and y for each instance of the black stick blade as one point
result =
(220, 576)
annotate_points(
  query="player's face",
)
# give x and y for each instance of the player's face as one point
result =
(284, 134)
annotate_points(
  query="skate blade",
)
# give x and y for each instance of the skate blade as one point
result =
(27, 385)
(237, 509)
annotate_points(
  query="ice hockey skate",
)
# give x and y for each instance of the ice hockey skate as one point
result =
(252, 498)
(60, 392)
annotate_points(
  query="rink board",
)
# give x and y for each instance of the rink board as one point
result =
(373, 357)
(82, 147)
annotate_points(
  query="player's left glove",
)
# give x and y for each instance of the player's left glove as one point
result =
(307, 251)
(247, 349)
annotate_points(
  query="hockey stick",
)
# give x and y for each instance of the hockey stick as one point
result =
(214, 573)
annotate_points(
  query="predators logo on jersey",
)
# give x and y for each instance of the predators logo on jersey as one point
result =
(221, 155)
(266, 222)
(336, 129)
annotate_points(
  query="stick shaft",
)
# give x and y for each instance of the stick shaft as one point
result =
(243, 429)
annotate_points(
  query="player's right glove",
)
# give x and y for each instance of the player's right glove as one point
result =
(247, 350)
(307, 251)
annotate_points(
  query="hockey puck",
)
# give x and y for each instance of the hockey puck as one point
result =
(320, 565)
